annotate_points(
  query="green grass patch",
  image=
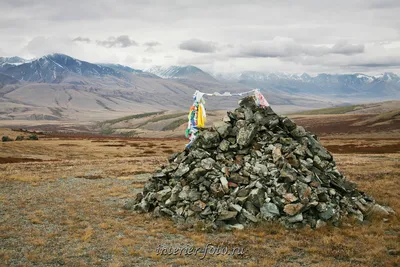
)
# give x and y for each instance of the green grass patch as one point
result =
(336, 110)
(175, 124)
(128, 134)
(136, 116)
(107, 131)
(163, 117)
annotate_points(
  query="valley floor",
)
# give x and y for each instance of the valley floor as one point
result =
(61, 203)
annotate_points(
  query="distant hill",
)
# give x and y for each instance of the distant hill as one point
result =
(6, 80)
(373, 108)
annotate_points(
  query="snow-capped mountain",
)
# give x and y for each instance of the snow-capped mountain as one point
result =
(8, 62)
(12, 60)
(55, 68)
(121, 67)
(180, 72)
(321, 84)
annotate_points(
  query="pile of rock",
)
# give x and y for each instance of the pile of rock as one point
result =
(253, 166)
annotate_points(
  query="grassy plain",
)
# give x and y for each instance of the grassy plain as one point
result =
(61, 199)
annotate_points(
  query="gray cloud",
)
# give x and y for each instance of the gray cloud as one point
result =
(82, 39)
(120, 41)
(283, 47)
(345, 48)
(198, 46)
(384, 4)
(383, 62)
(152, 43)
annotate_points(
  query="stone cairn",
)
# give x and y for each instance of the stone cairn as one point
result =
(254, 166)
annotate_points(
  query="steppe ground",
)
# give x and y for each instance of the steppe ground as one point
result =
(61, 199)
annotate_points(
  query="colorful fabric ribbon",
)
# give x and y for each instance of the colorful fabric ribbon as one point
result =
(197, 117)
(197, 113)
(260, 99)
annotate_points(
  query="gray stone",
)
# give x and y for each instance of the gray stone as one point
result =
(182, 170)
(198, 206)
(289, 124)
(328, 213)
(379, 211)
(249, 216)
(238, 179)
(210, 139)
(243, 192)
(224, 184)
(247, 102)
(324, 154)
(235, 207)
(237, 226)
(269, 211)
(246, 134)
(273, 123)
(222, 128)
(167, 211)
(250, 207)
(196, 173)
(296, 218)
(287, 174)
(207, 211)
(194, 195)
(171, 167)
(276, 154)
(159, 175)
(173, 156)
(163, 195)
(298, 132)
(129, 204)
(248, 114)
(207, 163)
(199, 153)
(217, 190)
(227, 215)
(320, 164)
(226, 119)
(257, 197)
(184, 194)
(224, 145)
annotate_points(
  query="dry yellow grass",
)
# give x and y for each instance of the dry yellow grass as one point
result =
(89, 159)
(78, 220)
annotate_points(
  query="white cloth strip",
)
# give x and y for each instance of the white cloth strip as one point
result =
(228, 93)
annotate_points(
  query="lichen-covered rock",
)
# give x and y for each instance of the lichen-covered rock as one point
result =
(222, 128)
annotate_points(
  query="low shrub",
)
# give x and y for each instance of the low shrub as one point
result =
(6, 139)
(33, 137)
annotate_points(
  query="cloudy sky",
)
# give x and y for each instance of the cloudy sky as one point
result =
(312, 36)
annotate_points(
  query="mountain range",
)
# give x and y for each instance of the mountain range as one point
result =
(60, 87)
